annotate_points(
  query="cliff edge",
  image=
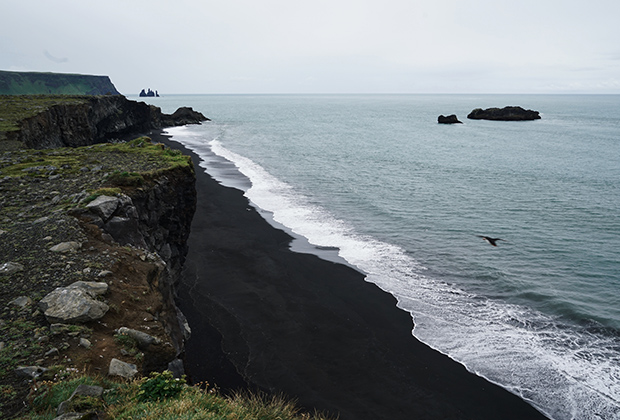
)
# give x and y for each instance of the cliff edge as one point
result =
(113, 217)
(48, 121)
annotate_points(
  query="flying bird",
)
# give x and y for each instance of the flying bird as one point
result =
(490, 240)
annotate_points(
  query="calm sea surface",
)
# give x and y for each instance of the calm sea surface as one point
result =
(402, 198)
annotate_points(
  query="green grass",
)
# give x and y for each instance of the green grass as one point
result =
(123, 401)
(155, 152)
(33, 83)
(69, 160)
(20, 343)
(129, 344)
(13, 109)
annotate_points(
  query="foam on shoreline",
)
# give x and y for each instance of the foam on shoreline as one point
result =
(313, 329)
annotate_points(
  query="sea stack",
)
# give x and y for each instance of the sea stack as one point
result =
(450, 119)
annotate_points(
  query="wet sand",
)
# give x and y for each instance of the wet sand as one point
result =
(265, 317)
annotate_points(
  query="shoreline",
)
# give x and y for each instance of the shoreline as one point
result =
(312, 329)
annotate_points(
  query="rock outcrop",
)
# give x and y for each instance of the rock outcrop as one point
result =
(134, 237)
(164, 215)
(183, 116)
(149, 94)
(157, 217)
(450, 119)
(122, 369)
(509, 113)
(95, 119)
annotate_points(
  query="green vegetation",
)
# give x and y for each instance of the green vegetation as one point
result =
(160, 386)
(126, 342)
(50, 394)
(20, 344)
(101, 191)
(13, 109)
(160, 397)
(154, 152)
(33, 83)
(126, 179)
(35, 183)
(144, 157)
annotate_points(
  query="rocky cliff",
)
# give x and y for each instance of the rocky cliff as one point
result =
(54, 237)
(85, 120)
(157, 217)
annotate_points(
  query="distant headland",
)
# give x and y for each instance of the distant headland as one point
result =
(34, 83)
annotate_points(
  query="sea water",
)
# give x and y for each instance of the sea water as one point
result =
(403, 199)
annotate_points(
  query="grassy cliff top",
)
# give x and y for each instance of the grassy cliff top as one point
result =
(14, 108)
(33, 83)
(136, 156)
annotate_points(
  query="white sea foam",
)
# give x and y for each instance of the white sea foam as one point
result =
(565, 372)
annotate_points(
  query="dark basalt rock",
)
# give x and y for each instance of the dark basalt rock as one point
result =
(150, 94)
(509, 113)
(182, 116)
(450, 119)
(96, 119)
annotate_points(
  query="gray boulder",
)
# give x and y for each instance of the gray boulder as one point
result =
(64, 247)
(75, 303)
(95, 288)
(21, 302)
(177, 368)
(122, 369)
(104, 206)
(10, 268)
(30, 372)
(143, 339)
(125, 230)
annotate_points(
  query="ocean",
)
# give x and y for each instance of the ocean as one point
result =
(374, 181)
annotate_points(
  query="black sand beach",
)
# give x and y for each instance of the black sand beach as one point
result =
(309, 328)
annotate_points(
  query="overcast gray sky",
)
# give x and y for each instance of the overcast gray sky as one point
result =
(321, 46)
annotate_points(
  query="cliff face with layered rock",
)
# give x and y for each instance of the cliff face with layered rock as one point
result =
(156, 217)
(85, 120)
